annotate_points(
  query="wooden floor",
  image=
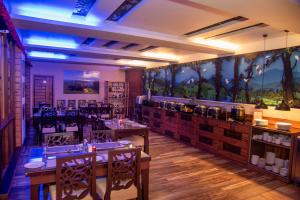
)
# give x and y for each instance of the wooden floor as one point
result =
(182, 172)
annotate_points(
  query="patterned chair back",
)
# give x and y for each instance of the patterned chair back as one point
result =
(100, 136)
(75, 176)
(123, 170)
(59, 139)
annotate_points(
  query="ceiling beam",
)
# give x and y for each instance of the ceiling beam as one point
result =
(114, 63)
(113, 31)
(95, 52)
(280, 14)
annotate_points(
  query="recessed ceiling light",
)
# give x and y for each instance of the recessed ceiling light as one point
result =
(52, 42)
(161, 55)
(55, 14)
(138, 63)
(41, 54)
(216, 43)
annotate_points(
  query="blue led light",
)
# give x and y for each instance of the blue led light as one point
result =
(56, 14)
(41, 54)
(52, 42)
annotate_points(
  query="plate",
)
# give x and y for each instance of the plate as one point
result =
(34, 165)
(125, 142)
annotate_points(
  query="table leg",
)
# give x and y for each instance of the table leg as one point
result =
(146, 142)
(145, 184)
(34, 192)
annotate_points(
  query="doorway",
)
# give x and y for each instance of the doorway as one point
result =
(43, 90)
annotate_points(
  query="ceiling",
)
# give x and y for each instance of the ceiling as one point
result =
(146, 33)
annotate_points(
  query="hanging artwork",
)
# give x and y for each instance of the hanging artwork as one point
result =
(81, 82)
(233, 79)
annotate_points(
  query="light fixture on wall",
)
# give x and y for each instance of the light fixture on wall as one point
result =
(261, 104)
(284, 105)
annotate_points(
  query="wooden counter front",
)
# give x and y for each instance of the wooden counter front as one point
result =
(228, 139)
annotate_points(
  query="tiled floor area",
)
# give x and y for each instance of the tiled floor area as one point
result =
(179, 171)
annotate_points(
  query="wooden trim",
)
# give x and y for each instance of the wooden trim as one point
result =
(6, 122)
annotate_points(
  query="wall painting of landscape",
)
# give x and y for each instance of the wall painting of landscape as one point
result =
(81, 82)
(233, 79)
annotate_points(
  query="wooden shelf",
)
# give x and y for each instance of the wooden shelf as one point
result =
(263, 170)
(273, 144)
(273, 129)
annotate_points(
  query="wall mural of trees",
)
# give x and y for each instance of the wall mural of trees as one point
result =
(233, 79)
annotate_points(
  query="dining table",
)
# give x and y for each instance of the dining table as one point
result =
(45, 174)
(128, 128)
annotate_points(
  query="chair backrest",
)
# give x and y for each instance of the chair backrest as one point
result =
(100, 136)
(98, 124)
(75, 176)
(82, 103)
(48, 118)
(72, 104)
(71, 117)
(59, 139)
(123, 170)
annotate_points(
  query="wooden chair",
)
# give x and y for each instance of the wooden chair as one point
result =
(72, 120)
(100, 136)
(82, 103)
(72, 104)
(123, 179)
(48, 121)
(59, 139)
(98, 124)
(75, 178)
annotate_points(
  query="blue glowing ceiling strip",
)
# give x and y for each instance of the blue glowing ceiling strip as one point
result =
(123, 9)
(83, 7)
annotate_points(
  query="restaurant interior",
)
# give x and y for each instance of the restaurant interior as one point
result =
(150, 99)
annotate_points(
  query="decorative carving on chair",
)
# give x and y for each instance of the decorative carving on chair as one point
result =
(59, 139)
(101, 135)
(75, 176)
(123, 170)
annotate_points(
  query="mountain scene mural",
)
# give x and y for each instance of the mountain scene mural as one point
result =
(271, 75)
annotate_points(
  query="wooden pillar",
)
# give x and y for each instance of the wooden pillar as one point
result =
(136, 83)
(19, 97)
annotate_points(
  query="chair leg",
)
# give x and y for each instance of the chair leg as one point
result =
(45, 191)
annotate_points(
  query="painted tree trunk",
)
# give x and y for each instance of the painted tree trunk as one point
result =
(236, 82)
(288, 78)
(199, 84)
(166, 88)
(218, 78)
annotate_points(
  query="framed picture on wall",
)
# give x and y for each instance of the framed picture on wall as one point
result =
(81, 82)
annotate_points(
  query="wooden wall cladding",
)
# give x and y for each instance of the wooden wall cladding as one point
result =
(136, 84)
(228, 139)
(157, 122)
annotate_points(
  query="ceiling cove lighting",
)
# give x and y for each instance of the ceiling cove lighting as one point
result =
(52, 42)
(216, 43)
(161, 55)
(41, 54)
(137, 63)
(56, 14)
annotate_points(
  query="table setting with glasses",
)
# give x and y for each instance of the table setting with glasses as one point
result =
(125, 129)
(45, 156)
